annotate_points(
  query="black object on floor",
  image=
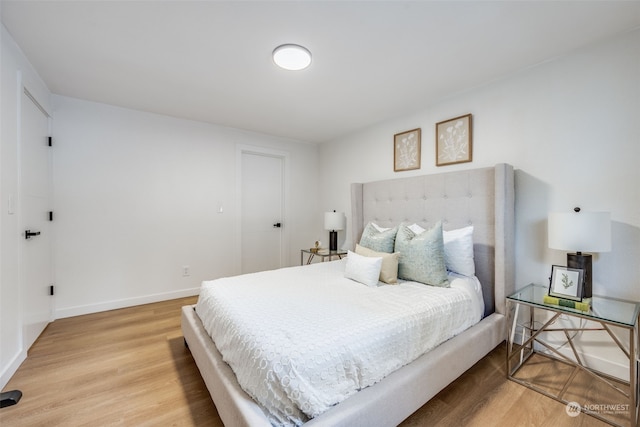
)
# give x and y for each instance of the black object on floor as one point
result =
(10, 398)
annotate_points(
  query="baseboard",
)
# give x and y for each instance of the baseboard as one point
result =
(123, 303)
(11, 368)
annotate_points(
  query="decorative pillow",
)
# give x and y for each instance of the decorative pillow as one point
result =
(363, 269)
(422, 256)
(379, 241)
(458, 251)
(389, 270)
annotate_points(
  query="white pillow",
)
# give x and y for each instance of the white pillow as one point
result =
(389, 269)
(415, 228)
(380, 229)
(363, 269)
(458, 249)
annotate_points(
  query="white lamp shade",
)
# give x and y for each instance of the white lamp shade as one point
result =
(580, 231)
(334, 221)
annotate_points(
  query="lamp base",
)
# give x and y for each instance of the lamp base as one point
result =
(333, 240)
(582, 261)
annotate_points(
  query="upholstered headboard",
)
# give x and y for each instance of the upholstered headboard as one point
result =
(482, 197)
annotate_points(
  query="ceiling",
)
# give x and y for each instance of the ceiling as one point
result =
(372, 60)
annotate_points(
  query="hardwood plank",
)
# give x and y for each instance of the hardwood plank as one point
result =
(130, 367)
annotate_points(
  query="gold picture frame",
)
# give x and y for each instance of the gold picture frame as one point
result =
(406, 150)
(454, 141)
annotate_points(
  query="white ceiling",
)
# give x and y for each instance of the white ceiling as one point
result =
(372, 60)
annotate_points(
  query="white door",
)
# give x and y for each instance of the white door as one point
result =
(35, 173)
(262, 208)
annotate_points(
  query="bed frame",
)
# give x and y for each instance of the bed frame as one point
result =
(482, 197)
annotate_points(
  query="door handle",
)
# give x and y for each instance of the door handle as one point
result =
(29, 234)
(277, 225)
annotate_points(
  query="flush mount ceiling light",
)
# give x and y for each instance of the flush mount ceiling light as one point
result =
(292, 57)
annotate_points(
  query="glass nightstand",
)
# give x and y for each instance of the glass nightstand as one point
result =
(562, 371)
(321, 253)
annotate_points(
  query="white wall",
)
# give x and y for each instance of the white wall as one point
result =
(570, 127)
(136, 198)
(16, 73)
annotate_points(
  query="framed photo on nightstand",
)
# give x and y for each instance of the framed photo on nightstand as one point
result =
(566, 283)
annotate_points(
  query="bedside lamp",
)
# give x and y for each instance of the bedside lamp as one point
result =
(580, 231)
(334, 221)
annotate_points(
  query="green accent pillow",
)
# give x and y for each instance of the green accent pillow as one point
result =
(379, 241)
(422, 256)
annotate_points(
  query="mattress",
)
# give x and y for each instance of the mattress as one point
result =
(302, 339)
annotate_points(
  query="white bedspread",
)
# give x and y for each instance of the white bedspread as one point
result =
(303, 339)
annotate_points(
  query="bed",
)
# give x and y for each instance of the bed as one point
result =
(481, 197)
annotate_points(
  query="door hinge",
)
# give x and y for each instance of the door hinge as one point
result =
(50, 141)
(51, 290)
(50, 215)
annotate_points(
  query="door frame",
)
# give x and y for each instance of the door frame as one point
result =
(242, 149)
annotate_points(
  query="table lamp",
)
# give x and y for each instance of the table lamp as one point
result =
(334, 221)
(580, 231)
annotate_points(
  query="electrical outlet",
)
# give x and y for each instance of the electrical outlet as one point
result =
(186, 271)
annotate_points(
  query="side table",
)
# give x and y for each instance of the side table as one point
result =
(529, 317)
(321, 253)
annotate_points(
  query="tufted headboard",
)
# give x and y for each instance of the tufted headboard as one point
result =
(482, 197)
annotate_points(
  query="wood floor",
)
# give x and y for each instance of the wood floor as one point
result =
(130, 367)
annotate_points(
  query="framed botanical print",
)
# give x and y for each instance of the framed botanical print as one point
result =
(453, 141)
(566, 283)
(406, 150)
